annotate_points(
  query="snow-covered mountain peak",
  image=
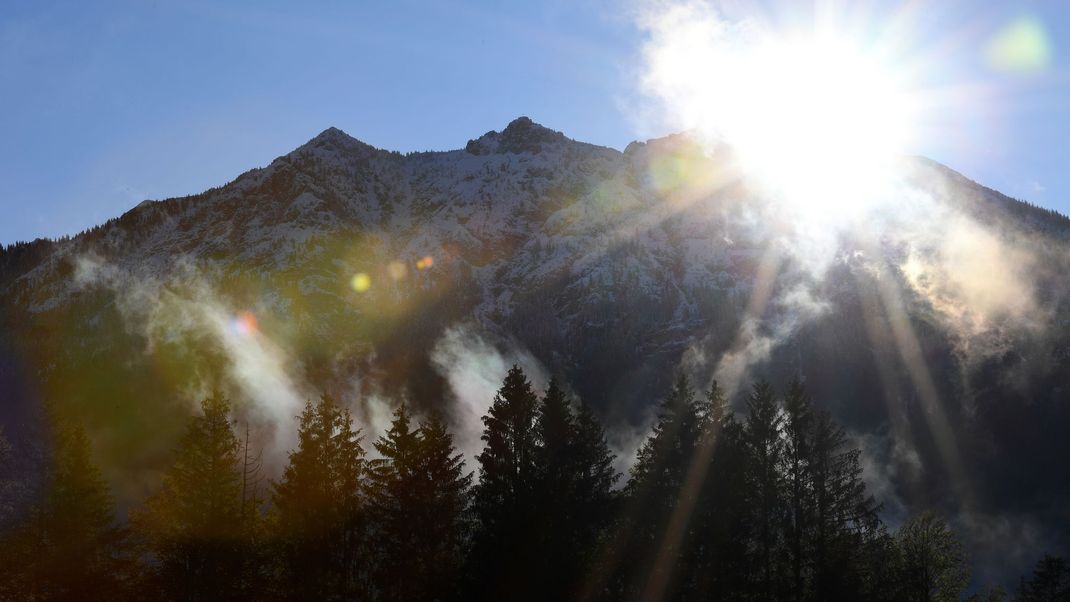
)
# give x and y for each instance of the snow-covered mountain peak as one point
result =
(333, 141)
(332, 135)
(522, 135)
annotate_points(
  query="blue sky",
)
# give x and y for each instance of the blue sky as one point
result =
(104, 104)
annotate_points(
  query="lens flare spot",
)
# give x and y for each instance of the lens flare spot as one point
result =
(361, 282)
(244, 324)
(1022, 46)
(397, 270)
(669, 171)
(425, 262)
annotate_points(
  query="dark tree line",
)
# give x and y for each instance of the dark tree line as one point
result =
(768, 505)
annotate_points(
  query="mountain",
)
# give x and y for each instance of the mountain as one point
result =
(933, 326)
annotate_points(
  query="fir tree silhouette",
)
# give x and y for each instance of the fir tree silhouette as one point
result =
(193, 526)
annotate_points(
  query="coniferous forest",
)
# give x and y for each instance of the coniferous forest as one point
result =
(763, 503)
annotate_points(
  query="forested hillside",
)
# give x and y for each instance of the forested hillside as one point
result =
(767, 506)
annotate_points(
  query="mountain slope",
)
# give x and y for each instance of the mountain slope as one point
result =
(933, 329)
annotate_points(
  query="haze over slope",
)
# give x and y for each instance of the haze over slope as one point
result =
(932, 326)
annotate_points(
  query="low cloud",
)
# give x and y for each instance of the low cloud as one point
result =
(474, 368)
(183, 306)
(973, 278)
(758, 336)
(887, 461)
(624, 441)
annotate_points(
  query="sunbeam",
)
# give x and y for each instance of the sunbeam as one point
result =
(913, 359)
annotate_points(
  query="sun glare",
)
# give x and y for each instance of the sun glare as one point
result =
(824, 123)
(818, 118)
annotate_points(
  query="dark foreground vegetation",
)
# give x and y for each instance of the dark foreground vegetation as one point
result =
(767, 506)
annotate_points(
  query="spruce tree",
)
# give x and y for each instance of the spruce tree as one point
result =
(848, 543)
(554, 433)
(765, 448)
(502, 503)
(555, 550)
(193, 526)
(317, 521)
(88, 551)
(444, 521)
(594, 502)
(1050, 582)
(660, 461)
(69, 543)
(303, 509)
(796, 472)
(654, 490)
(722, 511)
(595, 477)
(394, 503)
(348, 468)
(573, 492)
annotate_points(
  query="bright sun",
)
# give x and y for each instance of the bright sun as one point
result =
(822, 123)
(817, 118)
